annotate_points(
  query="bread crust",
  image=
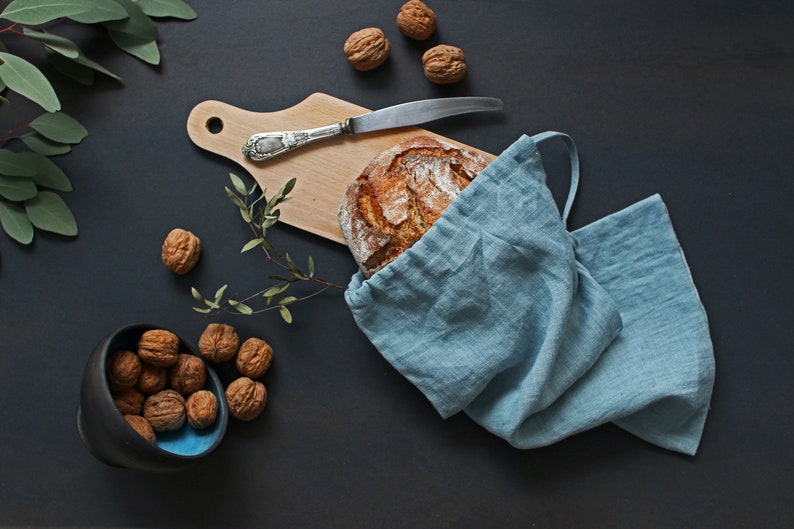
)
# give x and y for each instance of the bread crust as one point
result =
(400, 194)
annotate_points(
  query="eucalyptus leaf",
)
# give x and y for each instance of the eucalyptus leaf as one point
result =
(310, 266)
(60, 127)
(25, 79)
(145, 50)
(80, 69)
(103, 11)
(137, 24)
(15, 222)
(12, 164)
(167, 8)
(219, 293)
(287, 300)
(61, 45)
(35, 12)
(202, 310)
(17, 188)
(47, 211)
(38, 143)
(47, 173)
(71, 68)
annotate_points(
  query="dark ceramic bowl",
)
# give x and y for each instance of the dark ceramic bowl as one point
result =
(110, 439)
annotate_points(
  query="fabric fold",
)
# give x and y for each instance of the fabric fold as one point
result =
(537, 333)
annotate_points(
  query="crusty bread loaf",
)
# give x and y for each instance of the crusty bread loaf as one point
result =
(400, 194)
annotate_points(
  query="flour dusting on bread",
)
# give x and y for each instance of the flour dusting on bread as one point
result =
(400, 194)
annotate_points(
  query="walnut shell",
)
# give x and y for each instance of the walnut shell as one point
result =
(254, 358)
(416, 20)
(142, 427)
(188, 374)
(180, 251)
(367, 48)
(246, 398)
(218, 343)
(123, 368)
(444, 64)
(152, 379)
(158, 347)
(129, 401)
(165, 410)
(202, 409)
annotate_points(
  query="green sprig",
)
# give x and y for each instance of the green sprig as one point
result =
(261, 213)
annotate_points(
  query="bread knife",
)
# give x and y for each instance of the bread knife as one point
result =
(266, 145)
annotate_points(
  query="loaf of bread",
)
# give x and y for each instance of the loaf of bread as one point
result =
(400, 194)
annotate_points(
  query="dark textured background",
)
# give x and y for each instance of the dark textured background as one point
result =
(693, 100)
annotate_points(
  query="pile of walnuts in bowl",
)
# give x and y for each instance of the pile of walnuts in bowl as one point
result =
(158, 389)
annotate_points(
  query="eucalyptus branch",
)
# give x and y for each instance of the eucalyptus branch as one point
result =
(261, 213)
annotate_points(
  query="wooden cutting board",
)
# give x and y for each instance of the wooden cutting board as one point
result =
(323, 169)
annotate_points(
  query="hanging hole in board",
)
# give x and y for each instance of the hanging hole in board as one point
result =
(214, 125)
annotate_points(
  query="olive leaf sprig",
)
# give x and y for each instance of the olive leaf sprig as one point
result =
(261, 213)
(29, 179)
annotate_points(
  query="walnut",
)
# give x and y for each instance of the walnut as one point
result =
(180, 251)
(188, 374)
(219, 342)
(367, 48)
(123, 368)
(129, 401)
(165, 410)
(152, 379)
(246, 398)
(142, 427)
(254, 358)
(416, 20)
(444, 64)
(202, 409)
(158, 347)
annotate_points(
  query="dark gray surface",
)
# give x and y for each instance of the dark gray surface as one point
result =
(692, 100)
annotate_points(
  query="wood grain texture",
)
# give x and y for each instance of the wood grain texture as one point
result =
(323, 169)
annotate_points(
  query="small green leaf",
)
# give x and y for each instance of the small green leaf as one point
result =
(47, 173)
(238, 184)
(59, 127)
(219, 293)
(202, 310)
(240, 307)
(287, 300)
(15, 222)
(286, 315)
(236, 200)
(17, 188)
(289, 186)
(167, 8)
(47, 211)
(292, 265)
(253, 243)
(12, 164)
(196, 295)
(27, 80)
(310, 266)
(245, 215)
(38, 143)
(275, 290)
(36, 12)
(62, 45)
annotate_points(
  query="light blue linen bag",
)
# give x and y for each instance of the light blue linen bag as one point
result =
(538, 333)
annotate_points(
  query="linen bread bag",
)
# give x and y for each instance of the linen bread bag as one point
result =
(535, 332)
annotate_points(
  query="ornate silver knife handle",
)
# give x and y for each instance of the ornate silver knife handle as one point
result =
(271, 144)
